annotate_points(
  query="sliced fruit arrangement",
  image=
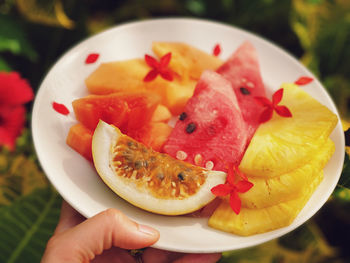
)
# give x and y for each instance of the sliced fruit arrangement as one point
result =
(129, 74)
(284, 161)
(262, 158)
(148, 179)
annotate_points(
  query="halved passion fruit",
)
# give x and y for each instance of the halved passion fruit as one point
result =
(148, 179)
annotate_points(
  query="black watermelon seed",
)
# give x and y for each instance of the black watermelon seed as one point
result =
(244, 91)
(183, 116)
(191, 127)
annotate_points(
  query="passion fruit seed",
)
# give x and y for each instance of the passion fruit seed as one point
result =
(162, 175)
(181, 176)
(191, 127)
(183, 116)
(244, 91)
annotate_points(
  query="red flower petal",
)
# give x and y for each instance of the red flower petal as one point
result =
(231, 174)
(60, 108)
(151, 61)
(91, 58)
(235, 202)
(283, 111)
(263, 101)
(243, 186)
(167, 74)
(266, 115)
(151, 75)
(217, 50)
(12, 121)
(14, 90)
(303, 80)
(221, 190)
(277, 97)
(242, 175)
(164, 60)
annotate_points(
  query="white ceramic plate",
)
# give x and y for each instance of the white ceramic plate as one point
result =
(75, 178)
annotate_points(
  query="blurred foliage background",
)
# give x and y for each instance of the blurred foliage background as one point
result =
(35, 33)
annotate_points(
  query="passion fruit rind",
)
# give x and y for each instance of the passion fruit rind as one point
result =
(150, 180)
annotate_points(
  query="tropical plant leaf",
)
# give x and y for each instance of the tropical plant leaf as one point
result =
(48, 12)
(19, 176)
(27, 224)
(13, 38)
(4, 66)
(344, 181)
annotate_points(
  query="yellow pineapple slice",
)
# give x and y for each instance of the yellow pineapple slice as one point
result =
(187, 61)
(255, 221)
(271, 191)
(285, 144)
(129, 74)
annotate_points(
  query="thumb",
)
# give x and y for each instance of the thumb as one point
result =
(88, 239)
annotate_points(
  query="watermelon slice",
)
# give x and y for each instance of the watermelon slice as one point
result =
(211, 131)
(243, 72)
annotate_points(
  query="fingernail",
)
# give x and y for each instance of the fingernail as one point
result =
(147, 230)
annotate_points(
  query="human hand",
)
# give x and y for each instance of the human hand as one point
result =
(107, 237)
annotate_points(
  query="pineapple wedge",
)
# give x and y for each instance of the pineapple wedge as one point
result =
(282, 144)
(255, 221)
(271, 191)
(187, 61)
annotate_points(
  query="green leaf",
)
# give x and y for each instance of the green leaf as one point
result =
(13, 38)
(3, 65)
(27, 224)
(19, 176)
(342, 191)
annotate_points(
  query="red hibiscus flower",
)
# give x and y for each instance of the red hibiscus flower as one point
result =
(14, 92)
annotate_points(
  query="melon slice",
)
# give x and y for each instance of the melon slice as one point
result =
(211, 131)
(187, 61)
(147, 179)
(128, 75)
(243, 72)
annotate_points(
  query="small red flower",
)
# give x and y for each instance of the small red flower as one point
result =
(217, 50)
(233, 187)
(303, 80)
(271, 106)
(60, 108)
(14, 92)
(91, 58)
(158, 68)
